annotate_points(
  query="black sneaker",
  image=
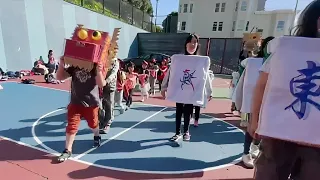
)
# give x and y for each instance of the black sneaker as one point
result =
(64, 156)
(175, 137)
(96, 141)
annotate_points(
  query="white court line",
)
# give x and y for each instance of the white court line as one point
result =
(51, 88)
(53, 152)
(119, 134)
(35, 137)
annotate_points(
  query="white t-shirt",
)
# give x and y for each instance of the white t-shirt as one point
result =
(271, 48)
(251, 76)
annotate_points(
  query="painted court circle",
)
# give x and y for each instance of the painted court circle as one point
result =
(140, 145)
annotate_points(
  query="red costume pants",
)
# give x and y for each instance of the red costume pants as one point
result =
(76, 112)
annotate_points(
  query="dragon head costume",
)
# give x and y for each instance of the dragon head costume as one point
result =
(87, 47)
(251, 41)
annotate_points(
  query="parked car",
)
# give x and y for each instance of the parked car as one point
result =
(138, 60)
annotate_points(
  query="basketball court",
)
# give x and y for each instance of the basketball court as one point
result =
(137, 147)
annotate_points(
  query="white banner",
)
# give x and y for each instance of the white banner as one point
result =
(291, 103)
(188, 76)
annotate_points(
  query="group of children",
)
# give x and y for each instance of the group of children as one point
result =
(146, 78)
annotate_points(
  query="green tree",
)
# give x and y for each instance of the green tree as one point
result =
(157, 29)
(165, 21)
(143, 5)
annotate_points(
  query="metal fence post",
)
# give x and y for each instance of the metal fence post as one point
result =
(223, 55)
(103, 7)
(151, 24)
(132, 14)
(142, 19)
(119, 9)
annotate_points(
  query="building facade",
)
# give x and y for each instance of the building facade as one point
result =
(232, 18)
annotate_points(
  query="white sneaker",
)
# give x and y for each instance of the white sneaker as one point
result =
(254, 151)
(248, 161)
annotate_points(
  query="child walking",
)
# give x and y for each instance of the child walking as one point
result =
(130, 84)
(84, 102)
(144, 81)
(162, 72)
(191, 48)
(153, 69)
(233, 83)
(119, 92)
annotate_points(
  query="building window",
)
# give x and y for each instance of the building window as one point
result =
(191, 8)
(237, 6)
(180, 8)
(214, 27)
(183, 26)
(247, 26)
(223, 7)
(244, 5)
(185, 8)
(280, 25)
(240, 25)
(220, 26)
(217, 7)
(233, 25)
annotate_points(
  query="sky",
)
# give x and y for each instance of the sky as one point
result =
(165, 7)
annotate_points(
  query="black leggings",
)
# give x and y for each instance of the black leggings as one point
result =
(160, 82)
(196, 113)
(129, 98)
(186, 110)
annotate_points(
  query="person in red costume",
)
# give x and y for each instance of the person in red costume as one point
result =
(130, 84)
(144, 81)
(162, 72)
(121, 76)
(153, 69)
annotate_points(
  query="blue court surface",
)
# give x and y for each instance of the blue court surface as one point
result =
(137, 141)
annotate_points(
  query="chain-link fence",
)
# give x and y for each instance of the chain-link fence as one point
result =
(118, 9)
(224, 53)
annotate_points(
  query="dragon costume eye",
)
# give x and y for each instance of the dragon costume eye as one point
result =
(82, 34)
(96, 35)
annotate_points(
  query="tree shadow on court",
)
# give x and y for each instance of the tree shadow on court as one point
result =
(151, 108)
(173, 115)
(152, 164)
(211, 131)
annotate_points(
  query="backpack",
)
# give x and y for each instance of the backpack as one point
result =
(49, 78)
(28, 81)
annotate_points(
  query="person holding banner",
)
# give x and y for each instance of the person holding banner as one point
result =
(243, 92)
(286, 108)
(187, 83)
